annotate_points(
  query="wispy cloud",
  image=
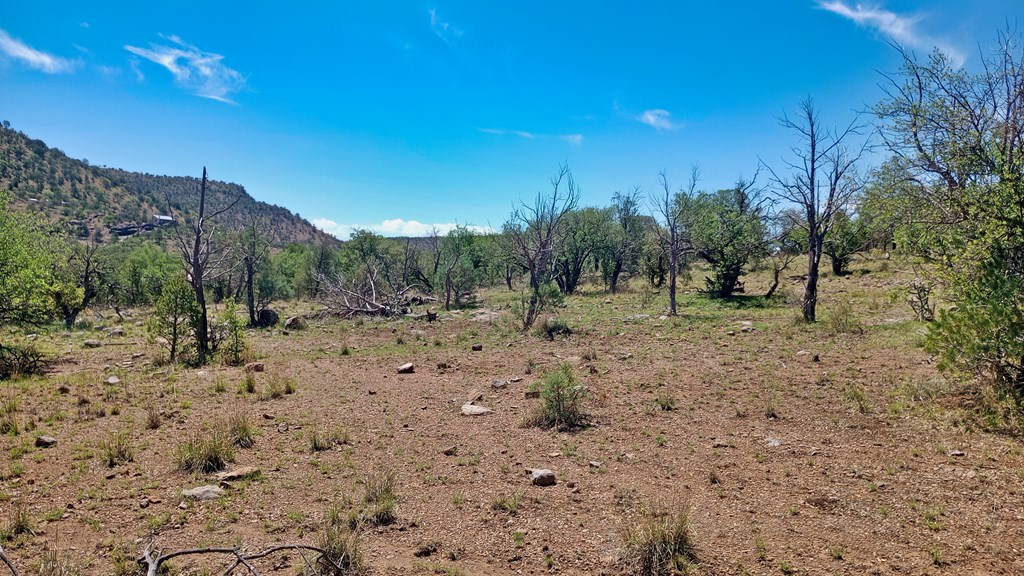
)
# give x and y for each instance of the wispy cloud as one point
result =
(392, 227)
(446, 31)
(36, 59)
(899, 27)
(202, 73)
(658, 118)
(574, 139)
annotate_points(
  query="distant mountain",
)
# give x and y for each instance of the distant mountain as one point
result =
(109, 202)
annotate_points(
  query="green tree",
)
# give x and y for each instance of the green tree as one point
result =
(584, 235)
(625, 238)
(175, 314)
(850, 235)
(727, 230)
(958, 137)
(29, 256)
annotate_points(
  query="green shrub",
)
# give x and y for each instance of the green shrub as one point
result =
(984, 335)
(233, 349)
(562, 396)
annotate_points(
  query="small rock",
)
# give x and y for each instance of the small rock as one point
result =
(451, 450)
(255, 367)
(720, 444)
(477, 347)
(957, 453)
(144, 503)
(542, 477)
(533, 393)
(113, 380)
(803, 353)
(474, 410)
(45, 441)
(773, 442)
(815, 358)
(594, 464)
(515, 379)
(295, 323)
(730, 333)
(406, 368)
(498, 384)
(282, 427)
(208, 492)
(62, 389)
(474, 396)
(238, 474)
(116, 331)
(92, 344)
(268, 416)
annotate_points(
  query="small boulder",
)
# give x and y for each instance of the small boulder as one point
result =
(542, 477)
(92, 343)
(474, 410)
(116, 331)
(208, 492)
(498, 384)
(406, 368)
(238, 474)
(295, 323)
(45, 441)
(477, 347)
(267, 318)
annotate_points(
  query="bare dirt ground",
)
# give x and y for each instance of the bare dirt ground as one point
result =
(836, 448)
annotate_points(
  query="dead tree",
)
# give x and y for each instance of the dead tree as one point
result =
(822, 183)
(532, 232)
(670, 233)
(254, 242)
(200, 260)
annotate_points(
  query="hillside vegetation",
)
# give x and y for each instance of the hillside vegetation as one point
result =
(99, 202)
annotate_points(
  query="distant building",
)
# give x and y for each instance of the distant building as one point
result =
(162, 220)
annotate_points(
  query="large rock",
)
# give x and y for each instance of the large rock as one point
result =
(208, 492)
(295, 323)
(542, 477)
(474, 410)
(92, 344)
(267, 318)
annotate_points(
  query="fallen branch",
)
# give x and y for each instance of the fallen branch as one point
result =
(153, 558)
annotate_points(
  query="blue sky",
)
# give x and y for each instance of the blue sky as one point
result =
(397, 116)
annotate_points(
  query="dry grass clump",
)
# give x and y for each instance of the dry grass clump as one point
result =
(341, 555)
(117, 448)
(379, 496)
(19, 524)
(206, 451)
(660, 545)
(241, 429)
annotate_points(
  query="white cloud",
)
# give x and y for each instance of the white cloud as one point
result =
(658, 118)
(901, 28)
(392, 227)
(574, 139)
(446, 31)
(36, 59)
(202, 73)
(84, 24)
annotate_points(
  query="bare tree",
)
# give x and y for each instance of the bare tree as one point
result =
(254, 242)
(670, 233)
(822, 182)
(533, 230)
(201, 259)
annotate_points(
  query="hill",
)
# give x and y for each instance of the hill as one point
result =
(105, 202)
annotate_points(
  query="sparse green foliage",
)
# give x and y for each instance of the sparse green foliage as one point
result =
(562, 396)
(176, 311)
